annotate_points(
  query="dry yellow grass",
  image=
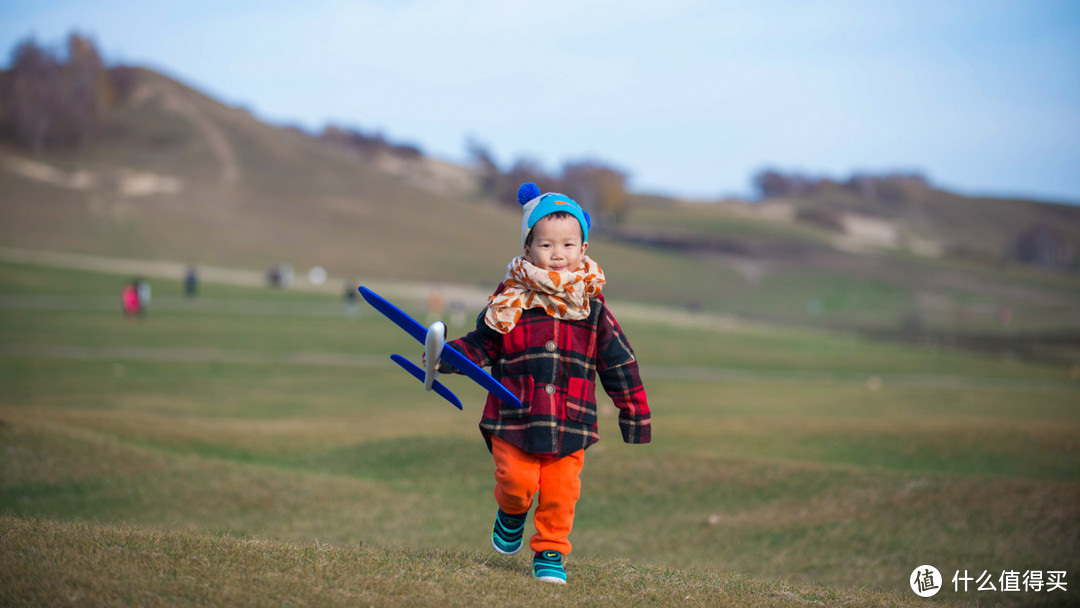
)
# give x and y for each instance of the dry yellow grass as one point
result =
(80, 564)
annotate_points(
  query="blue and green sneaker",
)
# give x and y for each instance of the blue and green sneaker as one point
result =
(547, 567)
(507, 533)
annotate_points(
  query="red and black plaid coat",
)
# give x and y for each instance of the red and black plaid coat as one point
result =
(552, 365)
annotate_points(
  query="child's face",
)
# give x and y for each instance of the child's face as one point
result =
(556, 244)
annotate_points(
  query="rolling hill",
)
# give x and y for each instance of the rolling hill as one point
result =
(178, 176)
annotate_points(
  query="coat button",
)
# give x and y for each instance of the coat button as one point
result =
(550, 346)
(550, 389)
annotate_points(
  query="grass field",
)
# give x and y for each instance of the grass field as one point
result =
(257, 447)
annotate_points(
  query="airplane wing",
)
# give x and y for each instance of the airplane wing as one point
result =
(395, 314)
(451, 356)
(465, 365)
(419, 374)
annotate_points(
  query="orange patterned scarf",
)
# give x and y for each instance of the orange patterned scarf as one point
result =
(562, 294)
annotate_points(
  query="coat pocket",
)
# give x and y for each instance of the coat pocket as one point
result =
(522, 388)
(581, 400)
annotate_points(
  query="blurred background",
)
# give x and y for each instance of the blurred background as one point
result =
(890, 169)
(844, 239)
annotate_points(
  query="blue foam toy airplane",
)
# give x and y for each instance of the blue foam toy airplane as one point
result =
(434, 339)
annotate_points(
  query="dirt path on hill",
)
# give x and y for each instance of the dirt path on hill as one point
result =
(124, 182)
(219, 143)
(216, 274)
(41, 172)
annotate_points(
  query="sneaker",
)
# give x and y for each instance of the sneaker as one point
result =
(547, 567)
(507, 533)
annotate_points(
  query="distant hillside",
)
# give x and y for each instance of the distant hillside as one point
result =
(175, 175)
(903, 213)
(911, 213)
(178, 175)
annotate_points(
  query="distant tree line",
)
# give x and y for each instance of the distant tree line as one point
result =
(368, 146)
(598, 187)
(894, 188)
(1047, 246)
(50, 98)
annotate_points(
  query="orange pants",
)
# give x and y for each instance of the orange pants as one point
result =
(519, 475)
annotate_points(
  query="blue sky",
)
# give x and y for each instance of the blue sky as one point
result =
(690, 98)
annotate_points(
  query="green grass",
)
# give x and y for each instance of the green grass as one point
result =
(140, 459)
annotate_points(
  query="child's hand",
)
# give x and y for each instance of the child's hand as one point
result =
(442, 368)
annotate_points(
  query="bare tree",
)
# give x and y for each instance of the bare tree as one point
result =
(48, 100)
(87, 89)
(31, 94)
(598, 188)
(484, 163)
(771, 183)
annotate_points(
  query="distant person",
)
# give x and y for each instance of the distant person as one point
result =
(285, 275)
(191, 283)
(280, 275)
(350, 297)
(129, 299)
(142, 287)
(457, 313)
(547, 334)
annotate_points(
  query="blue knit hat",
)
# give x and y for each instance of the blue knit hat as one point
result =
(537, 205)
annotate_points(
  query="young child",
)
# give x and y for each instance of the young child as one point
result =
(547, 335)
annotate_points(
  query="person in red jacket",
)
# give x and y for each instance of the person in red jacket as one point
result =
(129, 297)
(547, 335)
